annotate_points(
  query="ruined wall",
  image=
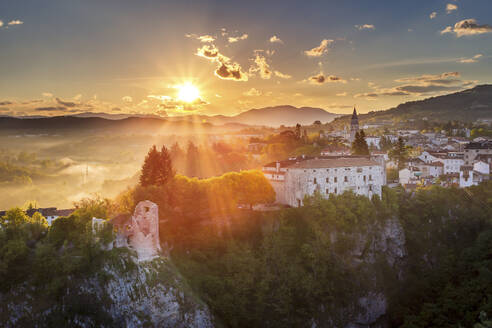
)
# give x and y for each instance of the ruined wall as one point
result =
(141, 232)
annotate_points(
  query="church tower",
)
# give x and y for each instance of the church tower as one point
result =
(354, 125)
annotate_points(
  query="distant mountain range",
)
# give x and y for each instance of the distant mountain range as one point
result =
(468, 105)
(267, 116)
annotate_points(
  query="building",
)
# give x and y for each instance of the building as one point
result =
(354, 125)
(336, 150)
(452, 161)
(472, 175)
(373, 141)
(296, 178)
(50, 213)
(474, 149)
(140, 231)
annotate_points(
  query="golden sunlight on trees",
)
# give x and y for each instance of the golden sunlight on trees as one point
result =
(157, 168)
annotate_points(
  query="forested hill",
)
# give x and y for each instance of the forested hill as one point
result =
(63, 124)
(468, 105)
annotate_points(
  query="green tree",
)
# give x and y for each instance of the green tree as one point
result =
(399, 153)
(157, 168)
(359, 145)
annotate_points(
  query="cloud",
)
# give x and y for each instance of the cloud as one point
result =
(233, 39)
(203, 38)
(47, 94)
(473, 59)
(282, 75)
(467, 27)
(65, 103)
(450, 7)
(433, 15)
(340, 106)
(253, 92)
(421, 85)
(321, 78)
(261, 66)
(206, 38)
(230, 71)
(171, 104)
(15, 22)
(5, 103)
(341, 94)
(208, 51)
(365, 27)
(444, 78)
(50, 109)
(275, 39)
(319, 50)
(127, 99)
(226, 69)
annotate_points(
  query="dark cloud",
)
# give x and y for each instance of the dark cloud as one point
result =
(421, 85)
(5, 103)
(424, 88)
(230, 71)
(321, 78)
(226, 69)
(467, 27)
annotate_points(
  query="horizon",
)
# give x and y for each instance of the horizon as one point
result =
(128, 58)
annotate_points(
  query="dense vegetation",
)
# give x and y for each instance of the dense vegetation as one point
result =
(288, 267)
(280, 269)
(51, 260)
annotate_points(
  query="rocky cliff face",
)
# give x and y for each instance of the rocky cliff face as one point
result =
(125, 293)
(375, 254)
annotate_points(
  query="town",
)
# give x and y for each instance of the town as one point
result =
(446, 158)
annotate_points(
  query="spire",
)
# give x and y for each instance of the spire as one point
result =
(354, 114)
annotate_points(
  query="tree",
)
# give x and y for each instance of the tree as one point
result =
(157, 168)
(399, 153)
(359, 145)
(385, 143)
(192, 158)
(298, 131)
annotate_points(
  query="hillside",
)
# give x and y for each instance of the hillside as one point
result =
(72, 124)
(468, 105)
(284, 115)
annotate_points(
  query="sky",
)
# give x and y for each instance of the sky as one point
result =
(60, 57)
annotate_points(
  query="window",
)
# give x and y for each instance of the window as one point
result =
(359, 170)
(370, 177)
(335, 190)
(314, 181)
(364, 178)
(370, 188)
(327, 180)
(335, 179)
(327, 191)
(345, 179)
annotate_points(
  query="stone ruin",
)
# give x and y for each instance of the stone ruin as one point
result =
(140, 231)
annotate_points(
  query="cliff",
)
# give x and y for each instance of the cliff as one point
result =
(124, 293)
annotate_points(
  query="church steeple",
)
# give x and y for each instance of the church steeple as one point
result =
(354, 115)
(354, 125)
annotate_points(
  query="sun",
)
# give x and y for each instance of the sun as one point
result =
(188, 93)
